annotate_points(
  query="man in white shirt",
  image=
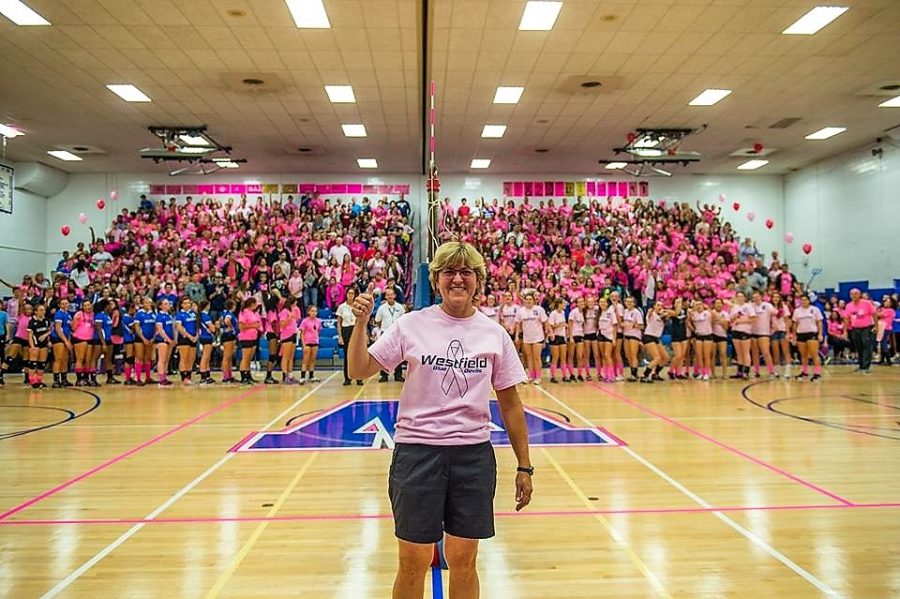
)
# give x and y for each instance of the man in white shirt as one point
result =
(386, 316)
(339, 250)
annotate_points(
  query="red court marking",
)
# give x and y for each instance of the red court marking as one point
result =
(562, 513)
(725, 446)
(122, 456)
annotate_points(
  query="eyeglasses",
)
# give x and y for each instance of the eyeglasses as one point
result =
(450, 273)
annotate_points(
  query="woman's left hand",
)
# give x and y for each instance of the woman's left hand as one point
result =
(523, 490)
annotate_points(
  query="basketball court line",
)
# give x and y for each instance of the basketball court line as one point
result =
(249, 543)
(125, 455)
(81, 570)
(721, 444)
(386, 516)
(761, 544)
(610, 529)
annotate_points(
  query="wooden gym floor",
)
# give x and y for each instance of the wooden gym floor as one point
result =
(776, 489)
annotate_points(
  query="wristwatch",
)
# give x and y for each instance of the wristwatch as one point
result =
(529, 470)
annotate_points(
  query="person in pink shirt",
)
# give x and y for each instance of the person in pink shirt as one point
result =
(443, 471)
(309, 332)
(720, 319)
(651, 340)
(807, 321)
(701, 324)
(607, 324)
(508, 311)
(616, 304)
(761, 332)
(288, 318)
(250, 327)
(490, 308)
(632, 332)
(531, 325)
(781, 349)
(859, 314)
(591, 347)
(838, 340)
(885, 326)
(741, 317)
(576, 341)
(558, 342)
(271, 304)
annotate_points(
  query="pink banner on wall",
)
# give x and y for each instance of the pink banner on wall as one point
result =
(354, 188)
(537, 188)
(254, 188)
(623, 189)
(173, 190)
(189, 189)
(507, 189)
(339, 188)
(601, 189)
(222, 188)
(559, 188)
(591, 188)
(632, 188)
(157, 190)
(306, 188)
(237, 188)
(369, 189)
(206, 189)
(644, 188)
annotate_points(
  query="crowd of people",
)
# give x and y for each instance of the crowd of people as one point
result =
(171, 281)
(643, 285)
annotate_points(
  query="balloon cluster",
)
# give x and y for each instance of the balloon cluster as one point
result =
(770, 223)
(83, 218)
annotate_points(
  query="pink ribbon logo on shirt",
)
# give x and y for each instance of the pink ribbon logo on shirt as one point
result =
(455, 375)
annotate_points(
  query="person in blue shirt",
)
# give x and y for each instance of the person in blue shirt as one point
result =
(187, 329)
(99, 342)
(164, 340)
(128, 341)
(208, 328)
(61, 340)
(144, 331)
(228, 339)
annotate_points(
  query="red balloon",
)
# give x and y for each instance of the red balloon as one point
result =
(807, 248)
(631, 137)
(770, 223)
(101, 204)
(65, 230)
(757, 147)
(736, 206)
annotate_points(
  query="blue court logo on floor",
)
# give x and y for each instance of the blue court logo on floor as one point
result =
(369, 424)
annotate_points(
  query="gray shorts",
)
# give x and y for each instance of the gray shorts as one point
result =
(437, 488)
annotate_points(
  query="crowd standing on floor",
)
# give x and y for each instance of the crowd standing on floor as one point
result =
(630, 284)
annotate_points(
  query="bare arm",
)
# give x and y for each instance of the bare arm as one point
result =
(513, 414)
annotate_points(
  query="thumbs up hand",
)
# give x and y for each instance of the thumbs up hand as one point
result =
(364, 302)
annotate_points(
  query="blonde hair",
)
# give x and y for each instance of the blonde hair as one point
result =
(456, 254)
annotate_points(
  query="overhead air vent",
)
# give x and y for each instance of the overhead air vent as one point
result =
(589, 84)
(306, 150)
(254, 83)
(40, 179)
(750, 152)
(785, 122)
(884, 88)
(81, 149)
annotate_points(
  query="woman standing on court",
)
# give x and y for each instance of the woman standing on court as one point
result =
(808, 331)
(443, 473)
(250, 326)
(531, 325)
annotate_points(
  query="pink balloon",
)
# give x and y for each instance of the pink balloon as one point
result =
(82, 218)
(65, 230)
(101, 204)
(114, 195)
(789, 237)
(751, 216)
(721, 198)
(662, 203)
(807, 248)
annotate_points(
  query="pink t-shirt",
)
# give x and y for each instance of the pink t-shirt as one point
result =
(577, 320)
(249, 317)
(292, 316)
(557, 320)
(718, 327)
(632, 322)
(606, 323)
(83, 326)
(532, 320)
(741, 311)
(703, 326)
(492, 312)
(655, 325)
(779, 324)
(22, 328)
(310, 327)
(590, 320)
(454, 363)
(762, 324)
(508, 316)
(806, 319)
(860, 314)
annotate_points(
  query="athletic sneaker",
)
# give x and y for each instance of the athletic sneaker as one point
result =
(580, 378)
(359, 383)
(347, 382)
(270, 380)
(130, 383)
(632, 379)
(164, 383)
(647, 380)
(815, 378)
(316, 380)
(705, 377)
(801, 376)
(553, 380)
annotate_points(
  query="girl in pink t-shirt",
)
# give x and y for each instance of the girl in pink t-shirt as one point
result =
(531, 324)
(701, 323)
(250, 325)
(288, 318)
(761, 331)
(632, 331)
(606, 338)
(781, 349)
(884, 326)
(720, 334)
(591, 347)
(576, 341)
(309, 333)
(659, 357)
(741, 318)
(558, 341)
(808, 331)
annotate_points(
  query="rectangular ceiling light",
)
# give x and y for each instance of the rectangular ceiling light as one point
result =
(752, 165)
(826, 133)
(10, 132)
(493, 131)
(480, 163)
(194, 140)
(358, 130)
(539, 15)
(367, 163)
(63, 155)
(815, 20)
(892, 103)
(225, 163)
(20, 14)
(508, 95)
(340, 93)
(709, 97)
(616, 165)
(128, 92)
(308, 14)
